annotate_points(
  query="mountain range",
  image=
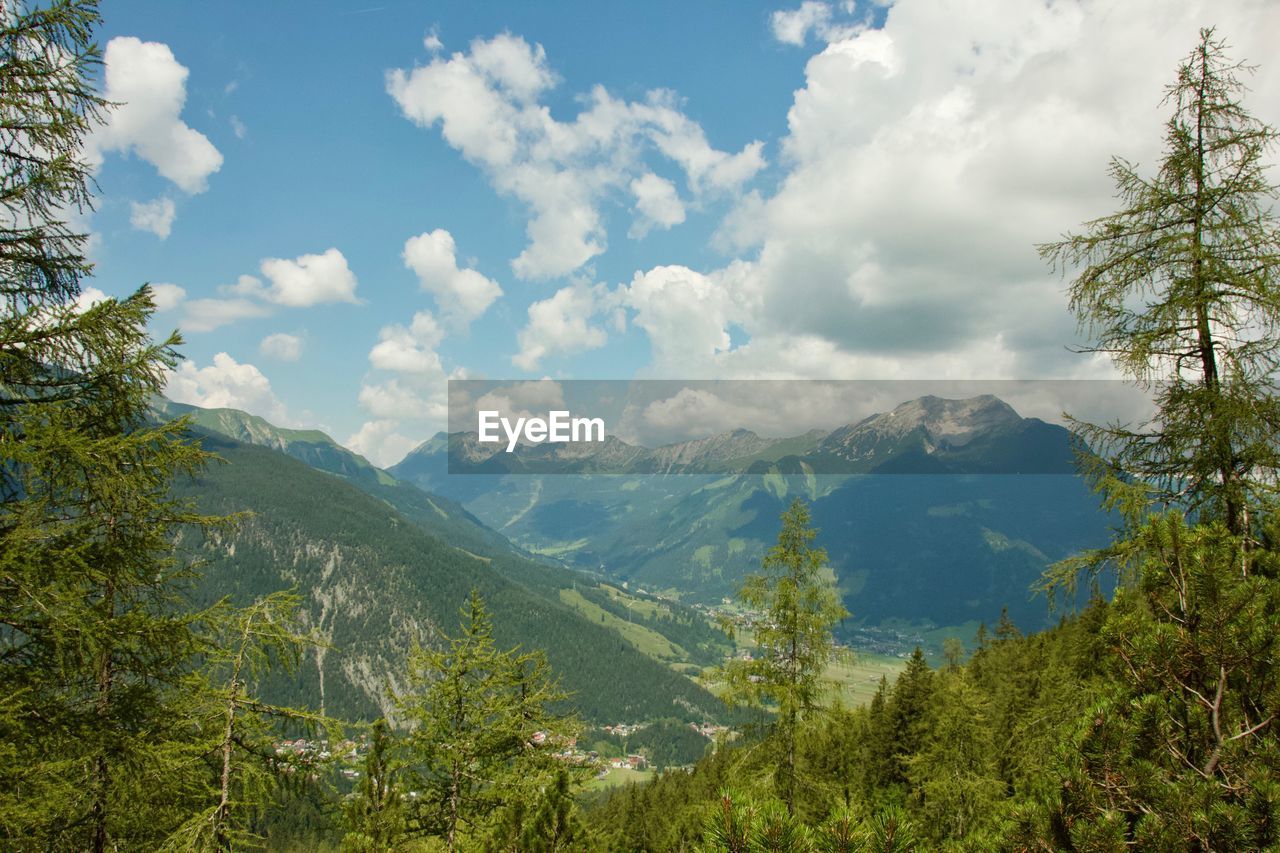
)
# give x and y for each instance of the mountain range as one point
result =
(381, 565)
(929, 435)
(922, 510)
(991, 500)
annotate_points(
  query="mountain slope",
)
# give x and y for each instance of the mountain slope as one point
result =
(436, 514)
(373, 583)
(939, 511)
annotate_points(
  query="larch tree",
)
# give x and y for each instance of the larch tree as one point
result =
(1180, 750)
(93, 635)
(484, 730)
(1180, 288)
(796, 608)
(105, 741)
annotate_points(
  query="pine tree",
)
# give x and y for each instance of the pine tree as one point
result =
(796, 609)
(954, 774)
(907, 713)
(484, 731)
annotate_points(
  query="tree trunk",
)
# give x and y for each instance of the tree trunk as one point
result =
(102, 707)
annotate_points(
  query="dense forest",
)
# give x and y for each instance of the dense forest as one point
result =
(149, 671)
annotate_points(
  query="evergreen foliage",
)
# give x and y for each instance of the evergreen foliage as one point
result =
(105, 722)
(482, 734)
(796, 609)
(95, 642)
(1180, 289)
(375, 815)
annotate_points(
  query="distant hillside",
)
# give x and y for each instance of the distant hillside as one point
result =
(434, 513)
(939, 511)
(374, 582)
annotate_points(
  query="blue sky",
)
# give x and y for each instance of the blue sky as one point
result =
(374, 196)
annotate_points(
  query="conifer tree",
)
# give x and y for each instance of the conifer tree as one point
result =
(96, 639)
(796, 610)
(237, 729)
(375, 814)
(954, 773)
(484, 731)
(1179, 749)
(1181, 288)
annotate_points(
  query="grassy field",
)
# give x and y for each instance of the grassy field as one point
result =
(852, 681)
(642, 606)
(646, 640)
(619, 776)
(855, 681)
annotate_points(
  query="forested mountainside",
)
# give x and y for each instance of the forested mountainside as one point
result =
(374, 582)
(934, 505)
(435, 513)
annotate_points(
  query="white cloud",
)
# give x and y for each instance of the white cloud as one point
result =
(247, 286)
(793, 26)
(238, 127)
(686, 314)
(395, 399)
(205, 315)
(151, 87)
(154, 216)
(559, 324)
(509, 63)
(300, 283)
(89, 297)
(925, 160)
(409, 349)
(226, 384)
(309, 280)
(658, 203)
(167, 296)
(519, 400)
(462, 294)
(379, 442)
(487, 104)
(282, 346)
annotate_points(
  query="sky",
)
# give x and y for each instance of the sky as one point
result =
(342, 205)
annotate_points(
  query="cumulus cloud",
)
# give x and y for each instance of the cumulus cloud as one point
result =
(792, 26)
(282, 346)
(226, 384)
(409, 349)
(154, 216)
(88, 297)
(687, 315)
(518, 400)
(925, 160)
(150, 86)
(379, 442)
(658, 204)
(167, 296)
(461, 294)
(488, 105)
(396, 399)
(414, 400)
(309, 280)
(559, 324)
